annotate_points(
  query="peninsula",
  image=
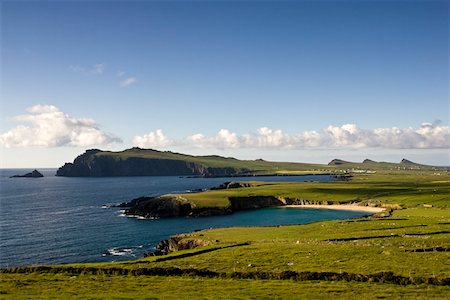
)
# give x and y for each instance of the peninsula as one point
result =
(149, 162)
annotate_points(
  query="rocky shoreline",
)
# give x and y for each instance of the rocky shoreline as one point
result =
(176, 206)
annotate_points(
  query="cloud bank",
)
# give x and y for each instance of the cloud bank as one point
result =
(348, 136)
(50, 127)
(47, 126)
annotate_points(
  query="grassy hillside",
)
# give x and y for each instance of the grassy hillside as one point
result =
(259, 166)
(405, 255)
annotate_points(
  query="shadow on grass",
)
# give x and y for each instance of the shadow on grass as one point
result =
(400, 227)
(434, 249)
(385, 236)
(190, 254)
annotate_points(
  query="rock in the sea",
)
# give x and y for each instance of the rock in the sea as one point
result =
(34, 174)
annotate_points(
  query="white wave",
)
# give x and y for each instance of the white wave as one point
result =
(118, 252)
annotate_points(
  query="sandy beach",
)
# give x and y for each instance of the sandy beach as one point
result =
(341, 207)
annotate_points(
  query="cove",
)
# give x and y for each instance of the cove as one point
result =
(54, 220)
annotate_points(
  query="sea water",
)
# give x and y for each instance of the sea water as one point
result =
(67, 219)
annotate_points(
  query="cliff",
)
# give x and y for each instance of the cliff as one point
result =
(141, 162)
(169, 206)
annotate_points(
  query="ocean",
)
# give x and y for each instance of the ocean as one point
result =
(67, 220)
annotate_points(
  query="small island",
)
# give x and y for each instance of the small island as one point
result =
(34, 174)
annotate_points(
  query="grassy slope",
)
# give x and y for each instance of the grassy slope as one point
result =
(258, 166)
(364, 246)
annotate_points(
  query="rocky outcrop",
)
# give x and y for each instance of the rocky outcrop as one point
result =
(169, 206)
(34, 174)
(96, 163)
(232, 185)
(160, 207)
(177, 243)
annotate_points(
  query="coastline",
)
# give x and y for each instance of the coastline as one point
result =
(351, 207)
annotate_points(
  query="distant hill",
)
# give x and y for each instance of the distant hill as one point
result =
(148, 162)
(369, 161)
(337, 162)
(371, 164)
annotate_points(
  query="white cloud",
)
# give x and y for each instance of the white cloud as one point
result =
(348, 136)
(128, 81)
(427, 136)
(97, 69)
(155, 139)
(50, 127)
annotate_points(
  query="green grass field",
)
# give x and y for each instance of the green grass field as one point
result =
(405, 255)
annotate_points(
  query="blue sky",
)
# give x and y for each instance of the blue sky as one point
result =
(302, 69)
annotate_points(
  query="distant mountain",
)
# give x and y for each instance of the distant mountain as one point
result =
(337, 162)
(371, 164)
(411, 164)
(369, 161)
(408, 162)
(148, 162)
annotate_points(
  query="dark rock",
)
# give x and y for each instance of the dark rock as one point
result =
(127, 204)
(160, 207)
(232, 185)
(177, 243)
(34, 174)
(169, 206)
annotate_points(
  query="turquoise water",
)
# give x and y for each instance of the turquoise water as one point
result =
(63, 220)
